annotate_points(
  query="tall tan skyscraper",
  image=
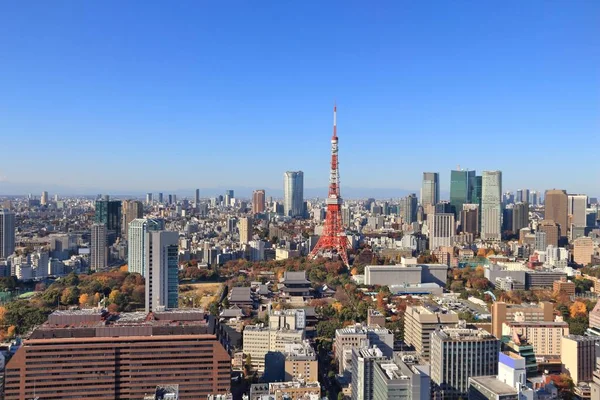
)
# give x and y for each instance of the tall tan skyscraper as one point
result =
(246, 230)
(557, 209)
(131, 210)
(258, 201)
(44, 198)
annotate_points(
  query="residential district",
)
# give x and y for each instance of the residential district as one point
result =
(490, 294)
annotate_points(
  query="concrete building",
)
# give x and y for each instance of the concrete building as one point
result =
(375, 318)
(7, 233)
(363, 365)
(99, 251)
(132, 209)
(579, 356)
(577, 209)
(390, 275)
(430, 189)
(565, 286)
(458, 354)
(360, 336)
(583, 250)
(259, 339)
(441, 229)
(132, 353)
(44, 198)
(491, 206)
(552, 231)
(402, 378)
(540, 241)
(509, 384)
(258, 201)
(301, 362)
(557, 209)
(504, 312)
(420, 322)
(469, 219)
(545, 337)
(246, 230)
(108, 212)
(137, 242)
(162, 279)
(520, 217)
(293, 194)
(295, 390)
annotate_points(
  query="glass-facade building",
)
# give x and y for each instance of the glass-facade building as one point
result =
(461, 183)
(108, 212)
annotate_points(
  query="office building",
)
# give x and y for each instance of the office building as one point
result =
(552, 231)
(148, 198)
(577, 209)
(406, 274)
(469, 219)
(246, 230)
(99, 251)
(557, 209)
(197, 197)
(430, 189)
(7, 233)
(545, 337)
(403, 377)
(293, 194)
(258, 201)
(44, 198)
(409, 206)
(491, 205)
(520, 217)
(293, 390)
(138, 242)
(363, 365)
(131, 209)
(476, 190)
(579, 356)
(509, 384)
(360, 336)
(420, 322)
(504, 312)
(258, 340)
(162, 280)
(564, 286)
(441, 229)
(228, 197)
(540, 241)
(160, 198)
(132, 353)
(583, 250)
(461, 182)
(458, 354)
(534, 198)
(375, 317)
(301, 362)
(108, 212)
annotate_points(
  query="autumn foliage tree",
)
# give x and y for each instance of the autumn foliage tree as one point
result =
(578, 309)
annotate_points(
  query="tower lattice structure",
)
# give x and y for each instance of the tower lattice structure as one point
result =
(334, 237)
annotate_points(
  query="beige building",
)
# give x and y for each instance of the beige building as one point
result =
(504, 312)
(420, 322)
(552, 230)
(579, 357)
(556, 208)
(295, 390)
(360, 336)
(258, 340)
(284, 254)
(246, 230)
(375, 317)
(563, 285)
(301, 362)
(545, 337)
(583, 250)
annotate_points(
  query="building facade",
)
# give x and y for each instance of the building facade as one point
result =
(441, 229)
(162, 279)
(137, 242)
(7, 233)
(293, 193)
(258, 201)
(491, 205)
(99, 252)
(430, 189)
(420, 322)
(556, 208)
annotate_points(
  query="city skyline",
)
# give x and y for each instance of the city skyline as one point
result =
(144, 86)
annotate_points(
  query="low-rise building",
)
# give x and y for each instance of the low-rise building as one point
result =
(564, 286)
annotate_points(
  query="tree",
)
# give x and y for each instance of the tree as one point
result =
(340, 396)
(2, 314)
(113, 295)
(10, 332)
(84, 299)
(578, 309)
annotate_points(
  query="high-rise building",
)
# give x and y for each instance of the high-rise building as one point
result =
(557, 209)
(476, 190)
(132, 209)
(44, 198)
(360, 336)
(160, 198)
(522, 196)
(148, 198)
(403, 377)
(491, 205)
(583, 250)
(137, 242)
(409, 206)
(458, 354)
(578, 356)
(162, 280)
(441, 229)
(577, 209)
(170, 199)
(461, 182)
(108, 212)
(552, 230)
(420, 322)
(133, 353)
(363, 366)
(540, 241)
(197, 197)
(246, 230)
(293, 193)
(228, 196)
(520, 216)
(430, 189)
(469, 219)
(98, 254)
(258, 201)
(504, 312)
(534, 198)
(7, 233)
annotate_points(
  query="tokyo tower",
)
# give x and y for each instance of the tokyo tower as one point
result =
(334, 237)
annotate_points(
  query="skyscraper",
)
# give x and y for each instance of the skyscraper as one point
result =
(44, 198)
(7, 233)
(476, 188)
(160, 198)
(461, 182)
(137, 242)
(98, 256)
(430, 189)
(162, 280)
(246, 230)
(520, 217)
(293, 193)
(491, 205)
(258, 201)
(132, 209)
(409, 208)
(228, 196)
(148, 198)
(108, 212)
(557, 209)
(441, 229)
(469, 219)
(577, 209)
(197, 197)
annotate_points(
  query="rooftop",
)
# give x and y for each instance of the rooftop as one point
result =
(361, 329)
(464, 334)
(493, 385)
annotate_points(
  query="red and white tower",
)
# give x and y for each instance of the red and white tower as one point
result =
(334, 237)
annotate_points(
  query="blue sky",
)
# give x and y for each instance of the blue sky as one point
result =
(118, 96)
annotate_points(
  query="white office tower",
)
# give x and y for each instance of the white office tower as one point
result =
(441, 229)
(136, 255)
(293, 193)
(98, 259)
(491, 205)
(7, 233)
(162, 280)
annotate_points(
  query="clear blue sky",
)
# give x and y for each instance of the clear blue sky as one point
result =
(146, 95)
